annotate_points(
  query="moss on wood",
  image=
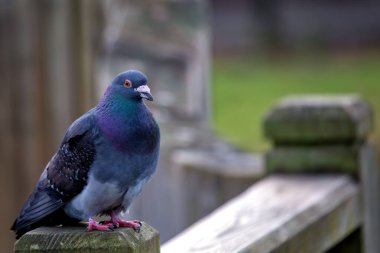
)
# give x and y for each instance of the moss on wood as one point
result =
(75, 239)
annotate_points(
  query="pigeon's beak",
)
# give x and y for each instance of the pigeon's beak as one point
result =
(145, 92)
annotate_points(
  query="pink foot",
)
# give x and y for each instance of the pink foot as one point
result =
(117, 222)
(93, 225)
(134, 224)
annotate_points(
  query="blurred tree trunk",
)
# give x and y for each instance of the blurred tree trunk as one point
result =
(47, 51)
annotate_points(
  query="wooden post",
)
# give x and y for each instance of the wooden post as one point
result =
(328, 134)
(318, 133)
(369, 173)
(75, 239)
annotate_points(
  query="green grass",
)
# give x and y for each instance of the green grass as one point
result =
(244, 89)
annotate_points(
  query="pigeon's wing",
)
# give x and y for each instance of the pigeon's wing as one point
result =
(63, 178)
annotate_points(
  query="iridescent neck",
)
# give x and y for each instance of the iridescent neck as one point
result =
(121, 119)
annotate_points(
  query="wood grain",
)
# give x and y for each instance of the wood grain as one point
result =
(75, 239)
(281, 213)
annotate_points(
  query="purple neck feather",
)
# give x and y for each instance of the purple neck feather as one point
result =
(127, 123)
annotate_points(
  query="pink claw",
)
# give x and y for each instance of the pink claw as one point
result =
(134, 224)
(93, 225)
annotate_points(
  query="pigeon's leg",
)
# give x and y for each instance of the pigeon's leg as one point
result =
(94, 225)
(117, 222)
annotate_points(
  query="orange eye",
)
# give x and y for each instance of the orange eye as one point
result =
(127, 84)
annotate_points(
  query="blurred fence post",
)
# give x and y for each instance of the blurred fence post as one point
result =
(47, 49)
(75, 240)
(328, 134)
(170, 41)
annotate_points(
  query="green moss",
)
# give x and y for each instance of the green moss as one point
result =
(75, 239)
(313, 159)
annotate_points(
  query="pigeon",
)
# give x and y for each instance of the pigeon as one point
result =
(102, 164)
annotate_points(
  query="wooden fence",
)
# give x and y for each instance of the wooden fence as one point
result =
(323, 187)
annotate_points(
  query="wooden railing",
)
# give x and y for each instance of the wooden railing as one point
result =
(285, 213)
(324, 187)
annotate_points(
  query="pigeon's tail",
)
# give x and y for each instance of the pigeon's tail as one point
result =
(36, 212)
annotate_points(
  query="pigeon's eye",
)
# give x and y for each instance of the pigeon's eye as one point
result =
(127, 84)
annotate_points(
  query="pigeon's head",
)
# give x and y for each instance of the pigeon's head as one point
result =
(132, 84)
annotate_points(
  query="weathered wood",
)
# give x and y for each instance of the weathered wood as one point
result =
(369, 173)
(351, 244)
(219, 174)
(319, 119)
(75, 239)
(328, 134)
(221, 160)
(295, 214)
(319, 158)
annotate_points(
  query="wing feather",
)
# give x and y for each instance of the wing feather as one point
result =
(64, 177)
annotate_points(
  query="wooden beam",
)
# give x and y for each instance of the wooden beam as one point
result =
(281, 213)
(75, 239)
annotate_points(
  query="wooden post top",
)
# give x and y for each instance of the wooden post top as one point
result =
(318, 133)
(75, 239)
(319, 120)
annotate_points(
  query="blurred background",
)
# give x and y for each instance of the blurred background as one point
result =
(215, 68)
